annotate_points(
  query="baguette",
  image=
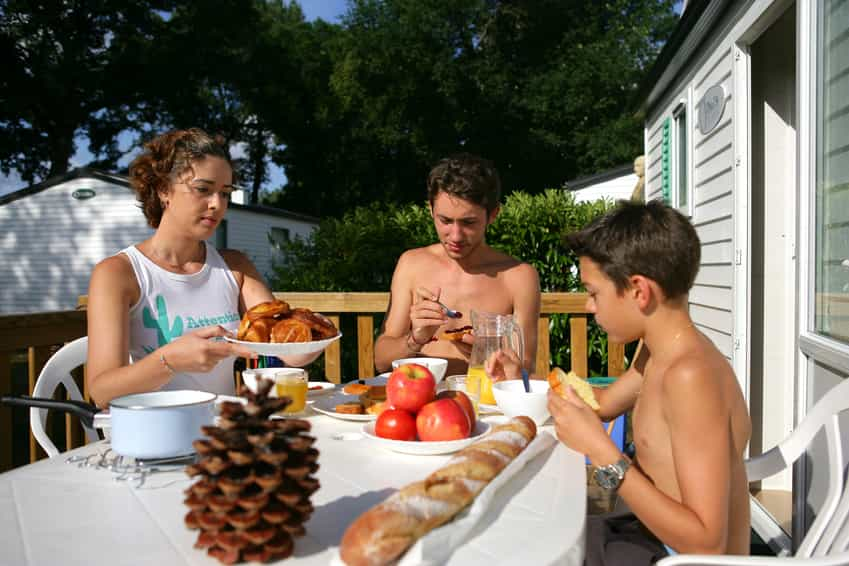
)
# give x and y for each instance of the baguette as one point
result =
(558, 380)
(384, 532)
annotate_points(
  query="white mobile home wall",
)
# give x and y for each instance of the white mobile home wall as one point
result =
(51, 241)
(721, 165)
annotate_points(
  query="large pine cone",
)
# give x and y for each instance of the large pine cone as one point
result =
(254, 481)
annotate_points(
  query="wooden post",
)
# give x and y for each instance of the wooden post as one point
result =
(5, 412)
(615, 359)
(578, 337)
(36, 358)
(333, 357)
(543, 347)
(365, 346)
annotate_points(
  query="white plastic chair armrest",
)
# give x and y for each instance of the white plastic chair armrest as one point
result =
(841, 559)
(767, 464)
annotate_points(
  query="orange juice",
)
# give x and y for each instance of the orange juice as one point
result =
(477, 379)
(293, 386)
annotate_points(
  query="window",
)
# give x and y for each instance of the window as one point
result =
(831, 232)
(681, 188)
(278, 238)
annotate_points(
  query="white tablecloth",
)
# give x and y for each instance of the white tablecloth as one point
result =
(53, 512)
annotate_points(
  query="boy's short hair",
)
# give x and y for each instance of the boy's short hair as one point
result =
(651, 239)
(468, 177)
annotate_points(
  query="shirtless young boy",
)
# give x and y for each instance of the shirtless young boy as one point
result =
(461, 271)
(687, 484)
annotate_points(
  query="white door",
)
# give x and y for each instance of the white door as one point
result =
(824, 231)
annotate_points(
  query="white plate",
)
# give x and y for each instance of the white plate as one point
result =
(325, 386)
(286, 348)
(486, 408)
(326, 406)
(425, 448)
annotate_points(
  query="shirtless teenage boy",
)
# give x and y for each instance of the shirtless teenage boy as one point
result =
(687, 484)
(461, 271)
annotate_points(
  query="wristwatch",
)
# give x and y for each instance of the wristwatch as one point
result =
(610, 476)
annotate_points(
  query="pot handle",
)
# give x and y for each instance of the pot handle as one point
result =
(85, 411)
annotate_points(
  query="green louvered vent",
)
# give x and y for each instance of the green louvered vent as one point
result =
(664, 161)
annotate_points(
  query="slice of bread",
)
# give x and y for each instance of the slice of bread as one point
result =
(559, 380)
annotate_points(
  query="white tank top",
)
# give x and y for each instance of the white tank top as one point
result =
(172, 304)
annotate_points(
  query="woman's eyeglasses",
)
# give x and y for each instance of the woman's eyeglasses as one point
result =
(203, 191)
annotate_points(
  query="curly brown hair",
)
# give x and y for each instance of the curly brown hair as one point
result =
(468, 177)
(164, 159)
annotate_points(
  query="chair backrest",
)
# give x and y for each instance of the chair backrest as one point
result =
(829, 533)
(58, 370)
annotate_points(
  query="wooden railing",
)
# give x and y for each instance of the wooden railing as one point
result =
(38, 335)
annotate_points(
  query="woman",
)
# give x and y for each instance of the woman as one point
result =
(164, 303)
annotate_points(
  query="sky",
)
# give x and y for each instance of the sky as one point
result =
(327, 10)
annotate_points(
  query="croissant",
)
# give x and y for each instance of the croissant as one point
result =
(290, 330)
(384, 532)
(268, 309)
(259, 330)
(275, 321)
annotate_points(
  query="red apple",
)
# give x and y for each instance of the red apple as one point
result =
(443, 419)
(464, 401)
(396, 424)
(410, 387)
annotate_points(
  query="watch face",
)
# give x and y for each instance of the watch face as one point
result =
(606, 478)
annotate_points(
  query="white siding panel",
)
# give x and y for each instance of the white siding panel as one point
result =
(717, 231)
(50, 241)
(716, 319)
(719, 70)
(716, 141)
(717, 253)
(723, 341)
(713, 168)
(705, 296)
(248, 231)
(715, 275)
(718, 186)
(713, 210)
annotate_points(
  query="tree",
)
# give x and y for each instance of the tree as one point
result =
(73, 71)
(542, 87)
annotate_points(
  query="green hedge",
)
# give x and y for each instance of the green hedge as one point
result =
(358, 252)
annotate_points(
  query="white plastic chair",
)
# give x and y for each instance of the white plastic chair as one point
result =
(58, 370)
(827, 541)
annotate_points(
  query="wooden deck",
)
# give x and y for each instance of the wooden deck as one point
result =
(32, 338)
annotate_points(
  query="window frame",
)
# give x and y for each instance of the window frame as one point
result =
(682, 117)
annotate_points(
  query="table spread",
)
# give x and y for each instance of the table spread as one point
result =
(54, 512)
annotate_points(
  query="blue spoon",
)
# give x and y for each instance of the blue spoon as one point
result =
(525, 380)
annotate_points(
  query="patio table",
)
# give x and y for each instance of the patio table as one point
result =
(54, 512)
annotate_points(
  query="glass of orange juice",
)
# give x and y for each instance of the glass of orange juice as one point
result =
(476, 379)
(292, 383)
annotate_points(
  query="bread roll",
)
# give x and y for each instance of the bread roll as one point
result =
(558, 380)
(384, 532)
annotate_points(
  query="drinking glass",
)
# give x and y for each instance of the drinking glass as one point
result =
(292, 383)
(470, 388)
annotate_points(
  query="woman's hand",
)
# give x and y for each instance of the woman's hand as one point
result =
(579, 427)
(503, 364)
(197, 352)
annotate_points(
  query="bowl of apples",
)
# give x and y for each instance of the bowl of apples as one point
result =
(421, 422)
